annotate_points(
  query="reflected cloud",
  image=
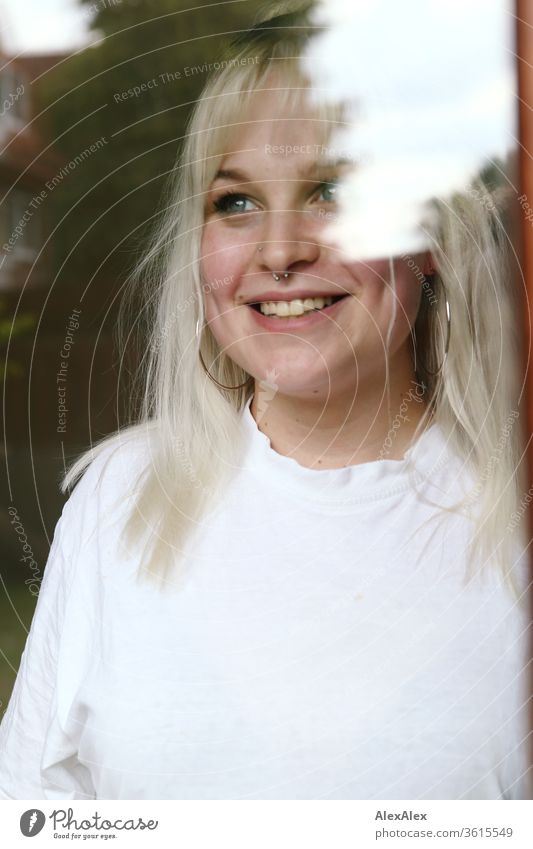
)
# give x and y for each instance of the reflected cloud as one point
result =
(429, 90)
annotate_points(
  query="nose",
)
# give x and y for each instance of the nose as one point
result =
(286, 240)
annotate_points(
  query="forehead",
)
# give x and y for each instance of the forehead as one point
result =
(282, 126)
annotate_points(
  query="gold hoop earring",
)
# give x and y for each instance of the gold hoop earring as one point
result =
(222, 385)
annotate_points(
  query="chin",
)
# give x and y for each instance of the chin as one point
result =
(286, 373)
(291, 385)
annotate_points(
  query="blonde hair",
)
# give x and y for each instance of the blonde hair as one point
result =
(194, 425)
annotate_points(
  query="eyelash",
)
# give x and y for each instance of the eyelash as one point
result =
(221, 204)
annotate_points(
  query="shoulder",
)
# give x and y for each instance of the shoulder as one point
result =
(441, 464)
(104, 480)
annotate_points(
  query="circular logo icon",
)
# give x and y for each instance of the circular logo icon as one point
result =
(32, 822)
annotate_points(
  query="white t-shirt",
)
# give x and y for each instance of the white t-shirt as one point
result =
(322, 646)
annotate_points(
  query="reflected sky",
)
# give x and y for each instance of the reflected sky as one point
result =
(429, 85)
(429, 88)
(42, 26)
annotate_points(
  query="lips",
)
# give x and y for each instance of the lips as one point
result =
(299, 294)
(293, 323)
(323, 303)
(333, 298)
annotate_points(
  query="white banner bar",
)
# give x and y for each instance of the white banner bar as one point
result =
(269, 824)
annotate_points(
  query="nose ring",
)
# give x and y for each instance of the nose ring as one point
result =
(274, 275)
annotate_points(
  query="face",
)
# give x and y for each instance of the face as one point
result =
(271, 194)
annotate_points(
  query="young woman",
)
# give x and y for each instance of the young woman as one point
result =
(298, 576)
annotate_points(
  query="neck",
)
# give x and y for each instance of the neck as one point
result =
(344, 428)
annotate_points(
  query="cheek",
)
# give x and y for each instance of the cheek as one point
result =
(400, 304)
(382, 294)
(223, 261)
(221, 254)
(215, 271)
(216, 312)
(210, 256)
(408, 294)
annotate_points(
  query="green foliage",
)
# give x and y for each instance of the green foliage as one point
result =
(10, 330)
(109, 199)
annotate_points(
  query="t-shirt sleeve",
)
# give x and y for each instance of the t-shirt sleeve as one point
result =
(37, 759)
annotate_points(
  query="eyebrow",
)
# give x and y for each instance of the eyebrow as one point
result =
(315, 168)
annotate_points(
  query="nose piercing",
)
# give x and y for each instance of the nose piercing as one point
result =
(274, 275)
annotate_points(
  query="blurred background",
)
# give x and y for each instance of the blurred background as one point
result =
(83, 162)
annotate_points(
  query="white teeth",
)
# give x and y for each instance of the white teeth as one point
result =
(288, 309)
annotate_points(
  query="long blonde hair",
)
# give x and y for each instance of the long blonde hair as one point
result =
(194, 425)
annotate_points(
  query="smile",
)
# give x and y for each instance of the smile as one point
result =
(297, 313)
(289, 309)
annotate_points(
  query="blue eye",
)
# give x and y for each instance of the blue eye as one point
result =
(231, 202)
(329, 187)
